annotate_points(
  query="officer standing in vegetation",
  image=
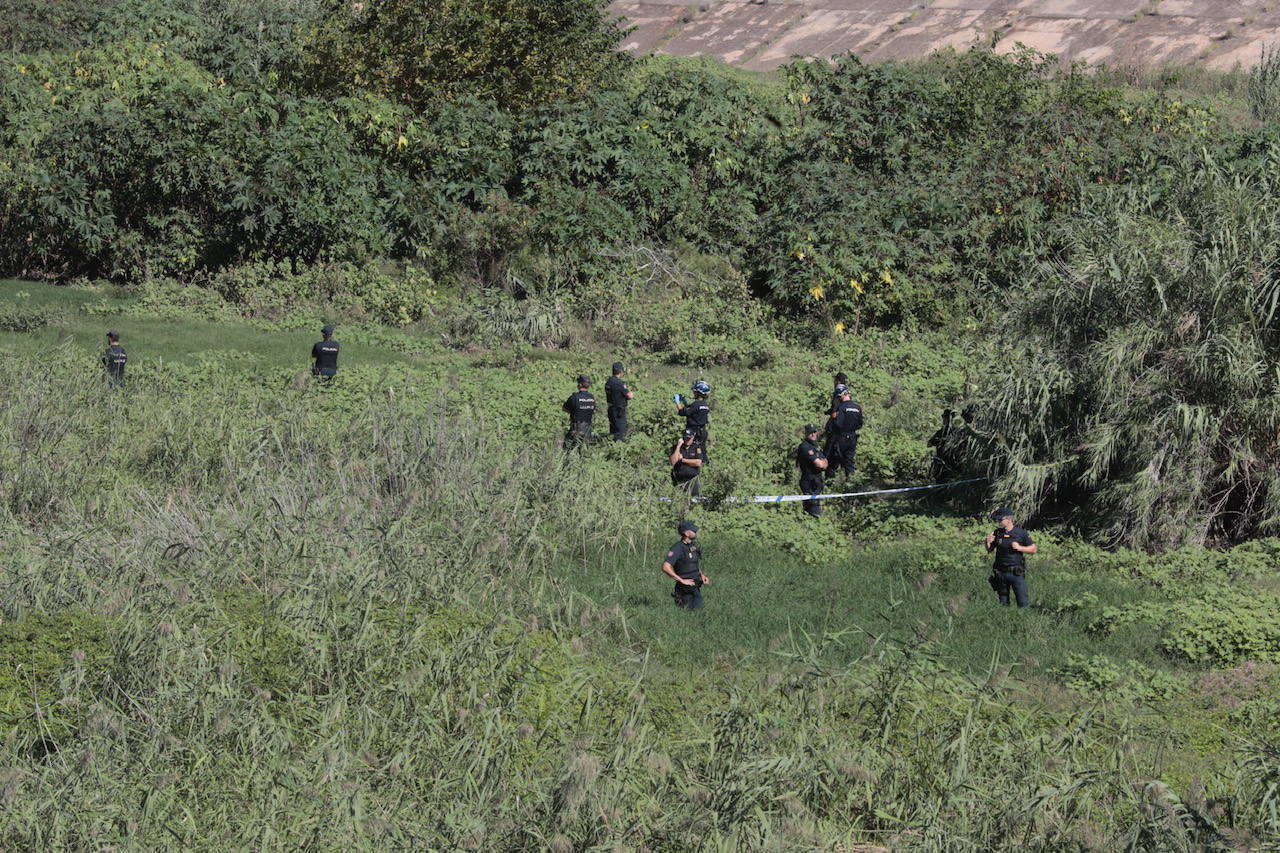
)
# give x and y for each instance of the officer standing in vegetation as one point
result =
(697, 413)
(840, 380)
(324, 355)
(812, 464)
(687, 459)
(683, 564)
(616, 395)
(945, 465)
(581, 407)
(842, 432)
(1010, 544)
(114, 360)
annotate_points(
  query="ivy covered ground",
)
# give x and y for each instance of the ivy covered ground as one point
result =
(243, 610)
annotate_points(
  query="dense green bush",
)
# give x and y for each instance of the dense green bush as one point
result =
(518, 53)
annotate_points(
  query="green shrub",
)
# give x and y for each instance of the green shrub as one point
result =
(45, 660)
(18, 318)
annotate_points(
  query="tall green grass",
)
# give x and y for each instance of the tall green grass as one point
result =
(244, 615)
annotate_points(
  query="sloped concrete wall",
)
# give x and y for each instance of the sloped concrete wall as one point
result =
(763, 34)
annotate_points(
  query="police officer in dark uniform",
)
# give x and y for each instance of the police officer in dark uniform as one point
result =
(683, 564)
(114, 360)
(1011, 544)
(687, 459)
(812, 462)
(840, 380)
(842, 433)
(945, 465)
(324, 355)
(616, 395)
(581, 407)
(697, 413)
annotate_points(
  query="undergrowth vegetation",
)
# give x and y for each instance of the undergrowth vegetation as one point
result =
(241, 609)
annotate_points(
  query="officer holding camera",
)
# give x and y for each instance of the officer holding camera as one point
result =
(683, 564)
(697, 412)
(1011, 544)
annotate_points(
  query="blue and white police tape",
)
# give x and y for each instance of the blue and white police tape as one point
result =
(774, 499)
(777, 499)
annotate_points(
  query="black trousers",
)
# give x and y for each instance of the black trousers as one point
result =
(840, 450)
(618, 423)
(691, 482)
(811, 484)
(1003, 580)
(578, 435)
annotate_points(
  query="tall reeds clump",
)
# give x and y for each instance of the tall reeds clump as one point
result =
(1143, 406)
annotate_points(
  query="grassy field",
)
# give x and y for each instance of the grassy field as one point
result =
(242, 610)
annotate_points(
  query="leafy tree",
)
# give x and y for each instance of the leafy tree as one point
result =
(46, 25)
(238, 40)
(519, 53)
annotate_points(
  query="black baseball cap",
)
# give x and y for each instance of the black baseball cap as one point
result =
(617, 367)
(808, 428)
(685, 526)
(690, 432)
(584, 379)
(113, 333)
(1002, 512)
(326, 329)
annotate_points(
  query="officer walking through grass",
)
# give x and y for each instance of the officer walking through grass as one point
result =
(813, 464)
(114, 360)
(683, 564)
(687, 459)
(617, 394)
(324, 355)
(581, 408)
(842, 433)
(1011, 544)
(696, 413)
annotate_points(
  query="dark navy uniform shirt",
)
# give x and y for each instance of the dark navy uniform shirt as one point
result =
(696, 413)
(615, 392)
(685, 559)
(581, 406)
(695, 450)
(114, 358)
(806, 455)
(325, 354)
(1006, 557)
(848, 418)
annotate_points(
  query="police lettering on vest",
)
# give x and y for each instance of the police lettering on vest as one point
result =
(848, 418)
(114, 359)
(581, 406)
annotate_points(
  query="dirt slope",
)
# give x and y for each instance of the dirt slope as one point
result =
(763, 34)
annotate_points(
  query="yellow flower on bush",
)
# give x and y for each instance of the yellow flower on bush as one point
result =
(839, 328)
(817, 291)
(856, 285)
(797, 254)
(886, 276)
